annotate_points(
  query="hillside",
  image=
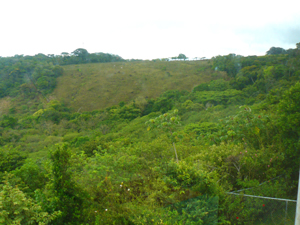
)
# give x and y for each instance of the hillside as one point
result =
(139, 143)
(96, 86)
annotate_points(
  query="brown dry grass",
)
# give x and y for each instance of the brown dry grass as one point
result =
(96, 86)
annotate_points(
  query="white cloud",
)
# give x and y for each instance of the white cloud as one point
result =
(148, 29)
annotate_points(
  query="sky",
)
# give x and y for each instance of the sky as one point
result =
(148, 29)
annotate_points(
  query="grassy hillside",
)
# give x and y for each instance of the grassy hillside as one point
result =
(96, 86)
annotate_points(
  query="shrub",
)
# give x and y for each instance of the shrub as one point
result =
(17, 208)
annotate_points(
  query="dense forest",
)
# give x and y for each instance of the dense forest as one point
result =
(230, 124)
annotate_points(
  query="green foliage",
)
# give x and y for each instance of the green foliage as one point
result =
(168, 123)
(111, 170)
(182, 56)
(34, 176)
(81, 53)
(255, 130)
(238, 167)
(54, 111)
(8, 121)
(28, 76)
(289, 111)
(17, 208)
(108, 180)
(275, 51)
(11, 158)
(189, 106)
(247, 76)
(163, 105)
(230, 96)
(127, 112)
(70, 137)
(68, 196)
(122, 103)
(32, 76)
(262, 72)
(214, 85)
(230, 63)
(201, 128)
(186, 176)
(79, 141)
(199, 210)
(175, 95)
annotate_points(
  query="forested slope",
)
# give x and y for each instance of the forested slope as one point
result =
(149, 142)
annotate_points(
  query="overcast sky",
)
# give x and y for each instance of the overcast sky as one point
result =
(148, 29)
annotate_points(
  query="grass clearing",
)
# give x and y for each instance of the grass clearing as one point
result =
(88, 87)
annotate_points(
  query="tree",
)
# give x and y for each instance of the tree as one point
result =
(65, 54)
(230, 63)
(168, 123)
(276, 51)
(68, 195)
(11, 158)
(8, 121)
(289, 109)
(182, 56)
(41, 57)
(81, 53)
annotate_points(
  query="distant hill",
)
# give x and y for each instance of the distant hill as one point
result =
(87, 87)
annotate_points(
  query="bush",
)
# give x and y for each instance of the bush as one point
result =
(17, 208)
(11, 158)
